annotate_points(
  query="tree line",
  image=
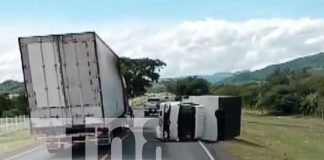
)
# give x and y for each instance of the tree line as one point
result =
(13, 106)
(284, 92)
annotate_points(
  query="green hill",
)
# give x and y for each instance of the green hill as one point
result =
(315, 64)
(216, 77)
(11, 86)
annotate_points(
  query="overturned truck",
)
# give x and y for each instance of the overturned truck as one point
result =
(209, 118)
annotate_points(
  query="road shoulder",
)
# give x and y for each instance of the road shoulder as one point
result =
(22, 149)
(218, 151)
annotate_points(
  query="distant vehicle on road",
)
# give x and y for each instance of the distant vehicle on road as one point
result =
(152, 107)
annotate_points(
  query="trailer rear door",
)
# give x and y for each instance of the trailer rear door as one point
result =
(62, 79)
(41, 67)
(81, 77)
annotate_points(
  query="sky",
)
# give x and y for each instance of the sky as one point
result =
(192, 37)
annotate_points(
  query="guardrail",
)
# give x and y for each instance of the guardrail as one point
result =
(9, 125)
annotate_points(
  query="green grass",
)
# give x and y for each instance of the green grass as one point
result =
(138, 102)
(271, 137)
(15, 141)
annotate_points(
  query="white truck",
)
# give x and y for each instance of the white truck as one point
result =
(180, 121)
(75, 89)
(208, 118)
(152, 106)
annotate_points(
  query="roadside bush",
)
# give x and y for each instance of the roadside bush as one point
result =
(12, 113)
(282, 93)
(309, 104)
(189, 86)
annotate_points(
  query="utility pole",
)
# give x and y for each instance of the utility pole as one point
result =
(322, 111)
(7, 127)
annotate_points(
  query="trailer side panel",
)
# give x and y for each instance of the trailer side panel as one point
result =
(111, 81)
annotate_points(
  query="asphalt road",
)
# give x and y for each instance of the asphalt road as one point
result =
(131, 148)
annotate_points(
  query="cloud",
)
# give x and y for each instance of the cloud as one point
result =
(208, 46)
(190, 47)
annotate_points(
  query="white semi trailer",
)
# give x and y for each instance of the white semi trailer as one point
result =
(74, 87)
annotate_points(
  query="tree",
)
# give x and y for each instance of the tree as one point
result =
(278, 77)
(229, 90)
(280, 99)
(5, 103)
(156, 88)
(249, 94)
(140, 73)
(14, 106)
(20, 103)
(189, 86)
(284, 92)
(170, 85)
(11, 113)
(309, 104)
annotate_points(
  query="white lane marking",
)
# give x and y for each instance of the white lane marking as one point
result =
(210, 156)
(158, 152)
(42, 146)
(105, 157)
(23, 153)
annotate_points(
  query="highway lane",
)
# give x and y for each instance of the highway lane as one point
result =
(167, 150)
(132, 146)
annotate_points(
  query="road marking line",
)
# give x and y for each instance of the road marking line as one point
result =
(23, 153)
(206, 150)
(105, 157)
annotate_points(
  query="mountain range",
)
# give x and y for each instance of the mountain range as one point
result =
(11, 86)
(216, 77)
(314, 63)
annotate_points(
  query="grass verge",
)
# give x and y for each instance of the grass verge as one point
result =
(273, 137)
(15, 141)
(138, 102)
